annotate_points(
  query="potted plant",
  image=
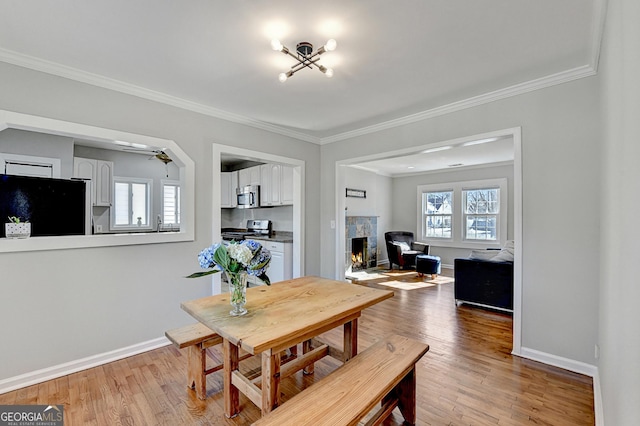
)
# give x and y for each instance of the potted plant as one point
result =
(16, 228)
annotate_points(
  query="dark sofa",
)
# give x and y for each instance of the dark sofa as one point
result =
(484, 283)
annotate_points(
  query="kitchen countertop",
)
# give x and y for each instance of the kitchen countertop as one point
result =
(278, 236)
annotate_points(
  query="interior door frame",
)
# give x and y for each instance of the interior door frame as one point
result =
(516, 134)
(298, 201)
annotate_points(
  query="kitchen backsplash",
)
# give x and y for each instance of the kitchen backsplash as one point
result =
(280, 217)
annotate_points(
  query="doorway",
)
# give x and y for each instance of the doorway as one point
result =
(298, 199)
(516, 136)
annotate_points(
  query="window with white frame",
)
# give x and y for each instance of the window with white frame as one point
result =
(170, 203)
(438, 210)
(131, 203)
(463, 214)
(481, 213)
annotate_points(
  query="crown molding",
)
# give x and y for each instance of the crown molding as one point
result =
(507, 92)
(60, 70)
(597, 31)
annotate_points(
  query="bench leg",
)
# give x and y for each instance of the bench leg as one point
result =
(405, 392)
(196, 366)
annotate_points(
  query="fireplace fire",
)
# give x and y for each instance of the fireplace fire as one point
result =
(359, 259)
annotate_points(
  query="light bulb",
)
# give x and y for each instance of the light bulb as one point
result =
(331, 45)
(276, 45)
(282, 77)
(329, 72)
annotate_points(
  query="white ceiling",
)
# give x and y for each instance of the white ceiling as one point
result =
(395, 59)
(471, 153)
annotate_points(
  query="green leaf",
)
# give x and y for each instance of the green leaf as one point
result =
(203, 273)
(221, 257)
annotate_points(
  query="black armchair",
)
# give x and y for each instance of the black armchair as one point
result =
(402, 249)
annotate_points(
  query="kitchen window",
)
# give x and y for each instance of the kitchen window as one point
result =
(170, 203)
(131, 203)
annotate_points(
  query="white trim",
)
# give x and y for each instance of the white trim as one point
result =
(597, 31)
(14, 120)
(49, 373)
(560, 362)
(575, 366)
(518, 240)
(597, 399)
(518, 89)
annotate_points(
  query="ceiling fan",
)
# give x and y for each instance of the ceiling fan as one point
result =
(155, 153)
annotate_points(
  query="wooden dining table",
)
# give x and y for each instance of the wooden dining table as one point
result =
(280, 317)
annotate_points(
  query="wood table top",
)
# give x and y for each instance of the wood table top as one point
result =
(285, 311)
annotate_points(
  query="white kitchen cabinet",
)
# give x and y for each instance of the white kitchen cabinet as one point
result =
(277, 185)
(281, 265)
(228, 185)
(249, 176)
(101, 174)
(286, 186)
(271, 183)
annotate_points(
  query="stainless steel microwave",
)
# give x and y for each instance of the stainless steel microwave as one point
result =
(248, 196)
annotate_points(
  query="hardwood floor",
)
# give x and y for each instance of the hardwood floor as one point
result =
(468, 377)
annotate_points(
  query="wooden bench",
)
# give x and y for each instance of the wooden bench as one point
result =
(384, 373)
(197, 338)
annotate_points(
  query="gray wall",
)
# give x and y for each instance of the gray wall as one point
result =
(561, 171)
(377, 203)
(62, 305)
(405, 207)
(619, 290)
(14, 141)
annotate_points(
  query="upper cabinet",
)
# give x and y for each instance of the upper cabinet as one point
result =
(277, 185)
(228, 183)
(101, 174)
(249, 176)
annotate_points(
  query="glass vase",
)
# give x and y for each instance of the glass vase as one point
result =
(237, 291)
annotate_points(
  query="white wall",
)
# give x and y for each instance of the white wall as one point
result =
(561, 173)
(405, 207)
(62, 305)
(619, 330)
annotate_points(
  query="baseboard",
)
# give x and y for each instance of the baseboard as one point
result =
(576, 367)
(49, 373)
(597, 400)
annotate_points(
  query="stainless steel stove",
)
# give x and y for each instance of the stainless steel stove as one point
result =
(254, 228)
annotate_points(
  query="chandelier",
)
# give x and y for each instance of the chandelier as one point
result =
(305, 57)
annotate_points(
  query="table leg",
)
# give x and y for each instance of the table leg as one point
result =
(270, 381)
(306, 347)
(350, 339)
(231, 393)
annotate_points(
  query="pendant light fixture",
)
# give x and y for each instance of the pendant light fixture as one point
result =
(305, 57)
